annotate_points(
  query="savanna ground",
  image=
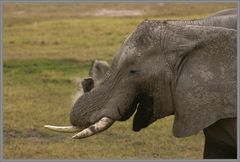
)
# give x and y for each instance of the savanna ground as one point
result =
(47, 47)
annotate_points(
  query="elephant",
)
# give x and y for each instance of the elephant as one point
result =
(163, 69)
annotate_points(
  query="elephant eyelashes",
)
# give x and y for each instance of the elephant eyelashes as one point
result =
(133, 71)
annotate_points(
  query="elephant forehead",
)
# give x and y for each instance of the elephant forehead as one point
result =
(128, 54)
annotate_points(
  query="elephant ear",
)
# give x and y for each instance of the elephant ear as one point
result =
(98, 70)
(205, 85)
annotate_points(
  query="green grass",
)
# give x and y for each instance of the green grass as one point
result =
(46, 50)
(83, 39)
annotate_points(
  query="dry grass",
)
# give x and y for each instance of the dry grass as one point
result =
(48, 46)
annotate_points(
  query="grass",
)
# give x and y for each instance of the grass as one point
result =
(46, 50)
(88, 39)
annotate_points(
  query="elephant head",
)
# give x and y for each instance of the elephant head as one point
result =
(148, 75)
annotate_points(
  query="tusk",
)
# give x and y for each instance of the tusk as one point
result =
(67, 129)
(99, 126)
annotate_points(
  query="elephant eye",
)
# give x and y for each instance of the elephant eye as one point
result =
(133, 71)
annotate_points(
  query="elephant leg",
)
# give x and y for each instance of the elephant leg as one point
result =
(220, 140)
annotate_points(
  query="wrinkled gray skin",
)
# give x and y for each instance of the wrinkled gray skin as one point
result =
(220, 137)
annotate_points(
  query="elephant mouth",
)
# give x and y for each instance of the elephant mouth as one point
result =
(142, 108)
(144, 115)
(130, 111)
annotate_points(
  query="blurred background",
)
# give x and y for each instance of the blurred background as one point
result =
(47, 47)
